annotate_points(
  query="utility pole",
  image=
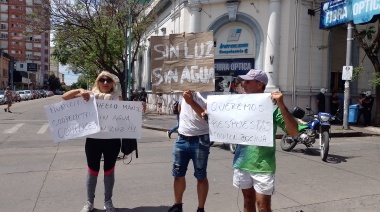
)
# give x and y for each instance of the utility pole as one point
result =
(347, 82)
(129, 51)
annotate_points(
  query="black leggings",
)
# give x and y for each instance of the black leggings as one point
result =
(110, 149)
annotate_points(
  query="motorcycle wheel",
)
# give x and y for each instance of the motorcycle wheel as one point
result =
(287, 143)
(232, 148)
(325, 145)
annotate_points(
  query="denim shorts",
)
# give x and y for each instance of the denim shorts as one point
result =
(196, 148)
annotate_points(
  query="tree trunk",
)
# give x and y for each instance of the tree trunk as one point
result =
(376, 120)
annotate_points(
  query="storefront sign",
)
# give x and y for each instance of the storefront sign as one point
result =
(31, 67)
(234, 48)
(364, 10)
(336, 12)
(234, 42)
(233, 67)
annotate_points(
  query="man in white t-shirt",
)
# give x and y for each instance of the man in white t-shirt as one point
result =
(193, 143)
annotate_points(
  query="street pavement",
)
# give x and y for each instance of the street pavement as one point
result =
(37, 175)
(165, 122)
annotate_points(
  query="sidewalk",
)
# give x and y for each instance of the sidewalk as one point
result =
(165, 122)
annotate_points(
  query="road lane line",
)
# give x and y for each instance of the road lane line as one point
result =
(14, 128)
(43, 128)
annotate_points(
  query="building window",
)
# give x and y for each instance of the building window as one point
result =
(3, 26)
(17, 7)
(4, 35)
(21, 65)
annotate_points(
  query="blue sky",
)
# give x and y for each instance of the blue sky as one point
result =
(70, 77)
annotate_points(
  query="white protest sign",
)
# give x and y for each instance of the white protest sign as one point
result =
(241, 119)
(119, 119)
(72, 119)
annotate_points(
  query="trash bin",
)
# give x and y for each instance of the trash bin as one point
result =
(353, 111)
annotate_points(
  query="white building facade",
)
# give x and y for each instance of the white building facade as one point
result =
(281, 37)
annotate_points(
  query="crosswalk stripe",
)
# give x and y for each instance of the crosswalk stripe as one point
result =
(43, 128)
(14, 128)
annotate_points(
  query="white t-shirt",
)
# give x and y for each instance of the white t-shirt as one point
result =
(190, 124)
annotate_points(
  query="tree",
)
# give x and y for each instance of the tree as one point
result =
(54, 83)
(91, 35)
(369, 41)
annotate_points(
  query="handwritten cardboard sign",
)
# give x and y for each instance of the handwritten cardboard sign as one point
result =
(183, 62)
(119, 119)
(241, 119)
(72, 119)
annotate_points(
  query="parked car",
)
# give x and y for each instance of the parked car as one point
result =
(50, 93)
(22, 94)
(29, 94)
(2, 98)
(16, 97)
(42, 93)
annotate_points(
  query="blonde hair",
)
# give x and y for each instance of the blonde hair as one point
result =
(113, 93)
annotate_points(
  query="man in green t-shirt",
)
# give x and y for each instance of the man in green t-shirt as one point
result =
(254, 166)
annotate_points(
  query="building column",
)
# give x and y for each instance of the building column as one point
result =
(272, 54)
(195, 16)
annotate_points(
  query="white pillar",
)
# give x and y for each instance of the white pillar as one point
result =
(195, 16)
(272, 55)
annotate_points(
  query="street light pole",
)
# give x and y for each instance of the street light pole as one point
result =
(129, 50)
(127, 65)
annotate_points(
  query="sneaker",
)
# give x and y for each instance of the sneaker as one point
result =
(169, 134)
(109, 206)
(88, 207)
(176, 208)
(9, 111)
(5, 109)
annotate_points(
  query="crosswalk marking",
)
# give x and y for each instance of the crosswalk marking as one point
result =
(14, 128)
(43, 128)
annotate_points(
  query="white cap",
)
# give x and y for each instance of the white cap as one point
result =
(367, 93)
(323, 90)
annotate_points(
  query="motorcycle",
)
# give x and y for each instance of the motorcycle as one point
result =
(318, 125)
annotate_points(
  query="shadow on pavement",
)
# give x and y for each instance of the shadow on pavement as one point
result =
(335, 159)
(140, 209)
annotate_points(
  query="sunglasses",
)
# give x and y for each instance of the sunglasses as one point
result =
(103, 80)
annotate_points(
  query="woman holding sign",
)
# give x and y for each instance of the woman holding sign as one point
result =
(104, 88)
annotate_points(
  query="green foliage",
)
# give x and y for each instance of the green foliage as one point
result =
(322, 47)
(367, 33)
(356, 73)
(376, 79)
(90, 38)
(54, 83)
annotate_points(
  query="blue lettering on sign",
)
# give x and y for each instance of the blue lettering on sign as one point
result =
(234, 48)
(364, 10)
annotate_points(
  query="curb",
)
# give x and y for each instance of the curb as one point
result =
(279, 136)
